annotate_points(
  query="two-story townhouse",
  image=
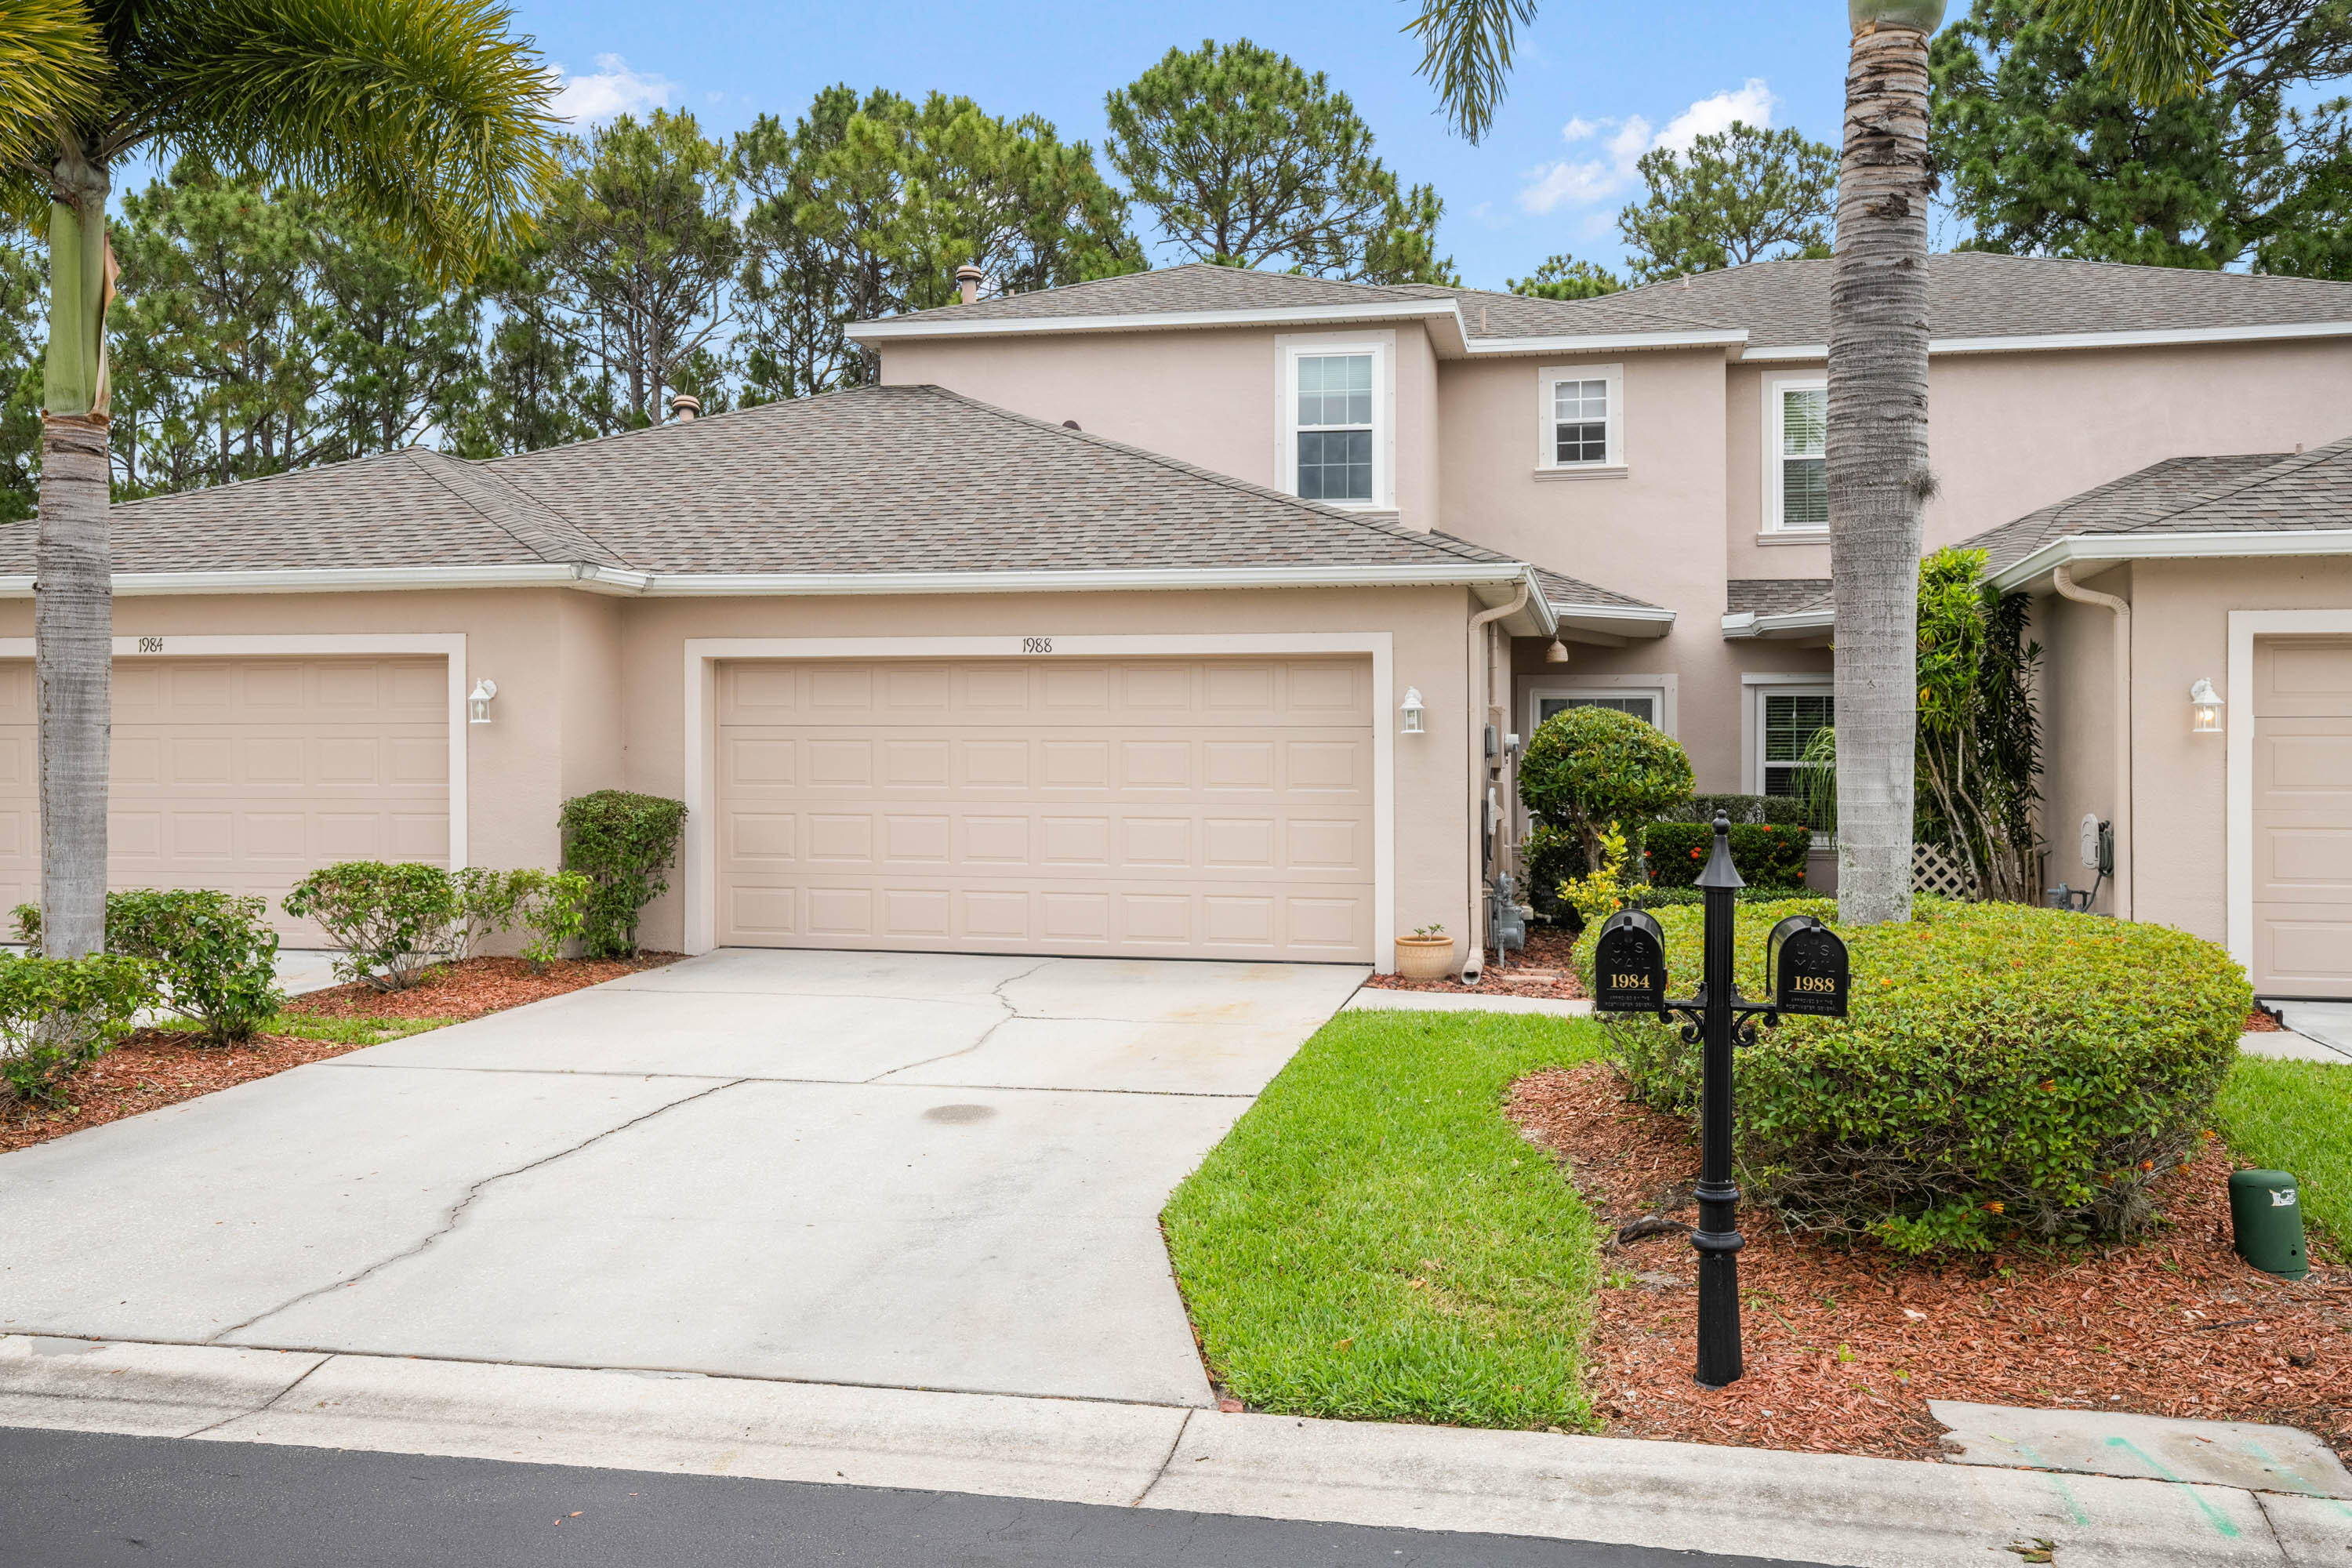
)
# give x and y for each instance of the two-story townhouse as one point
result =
(1190, 613)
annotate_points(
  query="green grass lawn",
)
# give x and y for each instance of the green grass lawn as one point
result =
(2296, 1117)
(1373, 1240)
(350, 1031)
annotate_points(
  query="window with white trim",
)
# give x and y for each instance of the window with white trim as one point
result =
(1788, 720)
(1335, 432)
(1646, 706)
(1581, 418)
(1796, 461)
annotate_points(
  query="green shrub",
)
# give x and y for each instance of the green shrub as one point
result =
(552, 906)
(2006, 1072)
(394, 922)
(214, 954)
(1585, 768)
(622, 843)
(1675, 898)
(58, 1015)
(1779, 810)
(1766, 855)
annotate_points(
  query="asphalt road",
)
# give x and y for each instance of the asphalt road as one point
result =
(79, 1500)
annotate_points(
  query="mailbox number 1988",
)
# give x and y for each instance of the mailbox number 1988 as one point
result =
(1814, 983)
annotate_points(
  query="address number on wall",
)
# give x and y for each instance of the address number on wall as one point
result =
(150, 645)
(1037, 645)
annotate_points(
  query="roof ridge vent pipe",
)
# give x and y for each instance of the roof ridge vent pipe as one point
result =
(2120, 814)
(684, 406)
(969, 279)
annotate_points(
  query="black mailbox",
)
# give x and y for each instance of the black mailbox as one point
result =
(1629, 964)
(1807, 964)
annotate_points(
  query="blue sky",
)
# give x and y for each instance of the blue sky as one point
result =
(1596, 81)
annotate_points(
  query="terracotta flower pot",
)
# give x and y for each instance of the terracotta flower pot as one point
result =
(1424, 957)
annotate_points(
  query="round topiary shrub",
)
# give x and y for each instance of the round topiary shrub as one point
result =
(2006, 1072)
(1585, 768)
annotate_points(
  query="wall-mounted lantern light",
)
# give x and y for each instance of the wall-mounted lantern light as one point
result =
(479, 701)
(1557, 653)
(2205, 708)
(1410, 710)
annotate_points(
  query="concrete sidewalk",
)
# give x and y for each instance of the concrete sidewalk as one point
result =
(1874, 1513)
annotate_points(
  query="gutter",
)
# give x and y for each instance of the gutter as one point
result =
(2062, 580)
(2030, 342)
(1481, 662)
(2157, 546)
(1749, 623)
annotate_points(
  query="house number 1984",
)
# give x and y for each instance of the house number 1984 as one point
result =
(150, 645)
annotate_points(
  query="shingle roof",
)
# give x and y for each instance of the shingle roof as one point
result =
(878, 479)
(1563, 590)
(1971, 294)
(1772, 595)
(2255, 493)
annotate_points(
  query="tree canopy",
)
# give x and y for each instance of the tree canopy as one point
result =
(1563, 276)
(2044, 153)
(1246, 159)
(1742, 194)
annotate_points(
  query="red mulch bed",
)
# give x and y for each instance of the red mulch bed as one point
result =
(1543, 969)
(1844, 1347)
(473, 986)
(154, 1069)
(2261, 1023)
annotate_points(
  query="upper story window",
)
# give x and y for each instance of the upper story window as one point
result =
(1335, 427)
(1580, 421)
(1335, 413)
(1796, 478)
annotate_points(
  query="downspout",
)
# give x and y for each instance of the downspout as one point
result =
(1481, 672)
(2062, 579)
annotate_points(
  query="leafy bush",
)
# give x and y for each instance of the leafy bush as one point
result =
(58, 1015)
(1552, 856)
(622, 843)
(1675, 897)
(1765, 854)
(214, 954)
(1779, 810)
(2006, 1072)
(394, 922)
(1585, 768)
(552, 906)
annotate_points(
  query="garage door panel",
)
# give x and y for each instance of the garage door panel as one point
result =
(246, 775)
(2302, 806)
(1153, 807)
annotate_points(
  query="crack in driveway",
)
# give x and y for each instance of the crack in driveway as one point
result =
(457, 1210)
(1011, 1014)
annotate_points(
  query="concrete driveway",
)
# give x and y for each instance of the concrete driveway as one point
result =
(903, 1170)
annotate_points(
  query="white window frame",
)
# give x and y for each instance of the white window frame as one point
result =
(1774, 387)
(1547, 464)
(1289, 349)
(1763, 689)
(1658, 689)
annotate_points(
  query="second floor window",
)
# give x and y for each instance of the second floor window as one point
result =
(1335, 427)
(1582, 421)
(1799, 496)
(1580, 416)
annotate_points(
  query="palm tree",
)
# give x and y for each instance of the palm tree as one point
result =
(423, 115)
(1878, 472)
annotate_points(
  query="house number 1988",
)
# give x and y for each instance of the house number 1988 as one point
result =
(1037, 645)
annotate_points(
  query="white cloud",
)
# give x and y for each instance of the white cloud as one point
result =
(1576, 182)
(612, 88)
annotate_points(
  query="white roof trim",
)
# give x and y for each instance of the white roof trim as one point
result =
(1787, 622)
(2153, 545)
(1613, 343)
(2036, 342)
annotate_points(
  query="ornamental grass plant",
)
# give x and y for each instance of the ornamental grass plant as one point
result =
(2006, 1073)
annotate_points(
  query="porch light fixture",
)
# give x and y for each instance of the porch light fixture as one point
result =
(2205, 708)
(1557, 653)
(480, 700)
(1411, 711)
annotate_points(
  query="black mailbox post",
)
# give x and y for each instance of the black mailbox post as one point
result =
(1807, 965)
(1629, 964)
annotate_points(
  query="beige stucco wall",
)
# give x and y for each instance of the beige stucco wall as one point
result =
(2013, 432)
(1207, 396)
(2075, 697)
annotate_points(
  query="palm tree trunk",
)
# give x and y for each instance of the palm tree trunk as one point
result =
(73, 613)
(1878, 474)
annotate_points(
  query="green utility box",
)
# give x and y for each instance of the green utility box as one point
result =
(2266, 1216)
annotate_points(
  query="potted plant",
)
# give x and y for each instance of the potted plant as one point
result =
(1426, 954)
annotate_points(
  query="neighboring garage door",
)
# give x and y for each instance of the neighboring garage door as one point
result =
(2302, 816)
(1187, 808)
(245, 773)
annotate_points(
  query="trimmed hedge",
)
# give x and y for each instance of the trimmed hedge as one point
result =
(59, 1014)
(622, 843)
(214, 954)
(393, 921)
(2007, 1072)
(1766, 856)
(1779, 810)
(1675, 897)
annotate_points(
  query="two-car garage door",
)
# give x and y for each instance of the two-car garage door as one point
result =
(1149, 807)
(247, 773)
